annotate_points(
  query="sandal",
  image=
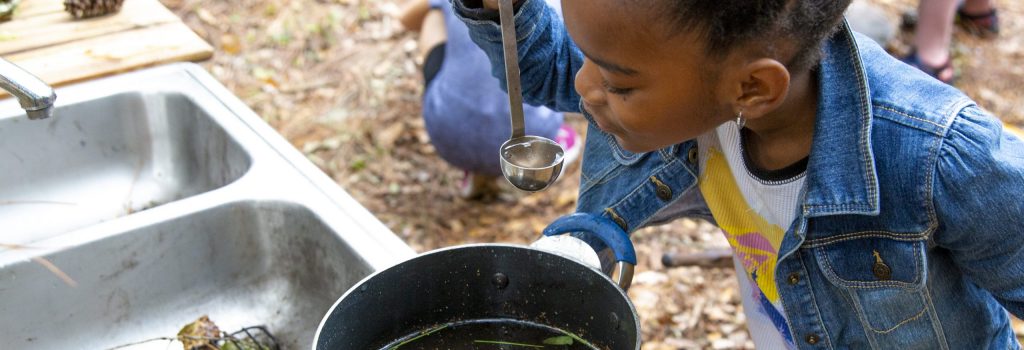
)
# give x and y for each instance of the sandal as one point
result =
(985, 25)
(935, 72)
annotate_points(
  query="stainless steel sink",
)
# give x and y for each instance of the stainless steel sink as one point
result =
(164, 198)
(244, 264)
(107, 157)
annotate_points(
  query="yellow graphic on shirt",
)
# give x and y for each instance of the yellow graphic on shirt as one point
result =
(754, 240)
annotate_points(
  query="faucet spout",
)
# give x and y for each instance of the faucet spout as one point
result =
(35, 96)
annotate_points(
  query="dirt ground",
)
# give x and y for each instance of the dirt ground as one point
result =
(338, 79)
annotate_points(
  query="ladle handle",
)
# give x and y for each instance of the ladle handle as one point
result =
(515, 90)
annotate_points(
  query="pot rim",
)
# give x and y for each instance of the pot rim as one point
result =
(355, 287)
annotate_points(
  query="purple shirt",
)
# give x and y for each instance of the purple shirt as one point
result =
(465, 109)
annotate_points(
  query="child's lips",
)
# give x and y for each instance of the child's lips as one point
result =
(598, 119)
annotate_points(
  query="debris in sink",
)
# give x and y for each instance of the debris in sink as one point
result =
(203, 334)
(200, 335)
(46, 263)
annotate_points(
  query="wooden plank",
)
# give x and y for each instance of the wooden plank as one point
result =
(31, 8)
(57, 28)
(114, 53)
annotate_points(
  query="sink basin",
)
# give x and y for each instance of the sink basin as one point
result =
(163, 198)
(108, 157)
(243, 264)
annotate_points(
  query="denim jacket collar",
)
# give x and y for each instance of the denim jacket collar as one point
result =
(842, 179)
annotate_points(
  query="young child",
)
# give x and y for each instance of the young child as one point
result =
(868, 205)
(465, 111)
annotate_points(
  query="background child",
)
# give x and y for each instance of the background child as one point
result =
(868, 205)
(465, 111)
(935, 31)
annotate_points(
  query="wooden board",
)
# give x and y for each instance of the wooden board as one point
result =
(49, 43)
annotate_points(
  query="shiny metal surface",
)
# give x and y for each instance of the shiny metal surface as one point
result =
(108, 157)
(34, 96)
(531, 163)
(237, 225)
(512, 84)
(536, 165)
(622, 274)
(244, 264)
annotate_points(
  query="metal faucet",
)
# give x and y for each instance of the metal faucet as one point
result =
(35, 97)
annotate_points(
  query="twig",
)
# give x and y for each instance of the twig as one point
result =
(32, 202)
(168, 339)
(421, 335)
(15, 246)
(56, 271)
(508, 343)
(46, 263)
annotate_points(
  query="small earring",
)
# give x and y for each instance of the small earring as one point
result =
(740, 120)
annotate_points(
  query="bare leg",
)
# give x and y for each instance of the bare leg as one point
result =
(433, 31)
(413, 13)
(934, 32)
(978, 6)
(417, 16)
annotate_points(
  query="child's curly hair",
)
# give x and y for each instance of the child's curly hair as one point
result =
(725, 24)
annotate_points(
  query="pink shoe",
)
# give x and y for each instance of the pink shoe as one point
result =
(570, 142)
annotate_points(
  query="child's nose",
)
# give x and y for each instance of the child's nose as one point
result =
(588, 84)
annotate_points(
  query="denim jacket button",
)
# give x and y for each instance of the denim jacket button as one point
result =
(882, 272)
(618, 219)
(793, 278)
(661, 189)
(880, 269)
(812, 339)
(692, 155)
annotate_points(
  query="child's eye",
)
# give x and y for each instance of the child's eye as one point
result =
(615, 90)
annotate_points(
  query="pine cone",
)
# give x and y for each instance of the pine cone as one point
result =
(7, 9)
(91, 8)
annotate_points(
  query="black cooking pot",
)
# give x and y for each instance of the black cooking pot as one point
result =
(491, 296)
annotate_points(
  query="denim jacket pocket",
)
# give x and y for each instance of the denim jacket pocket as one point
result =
(884, 281)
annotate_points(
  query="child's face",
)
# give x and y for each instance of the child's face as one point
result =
(644, 87)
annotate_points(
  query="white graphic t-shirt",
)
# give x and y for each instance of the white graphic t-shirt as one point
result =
(754, 209)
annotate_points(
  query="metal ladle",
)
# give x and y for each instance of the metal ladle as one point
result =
(530, 163)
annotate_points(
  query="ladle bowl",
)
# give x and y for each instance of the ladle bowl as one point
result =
(531, 163)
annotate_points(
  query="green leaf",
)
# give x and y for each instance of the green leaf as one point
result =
(498, 342)
(560, 340)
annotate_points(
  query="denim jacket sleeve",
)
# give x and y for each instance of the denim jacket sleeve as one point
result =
(548, 59)
(979, 201)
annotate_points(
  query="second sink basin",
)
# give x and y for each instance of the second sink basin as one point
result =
(243, 264)
(103, 158)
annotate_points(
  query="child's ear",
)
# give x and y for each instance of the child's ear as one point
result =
(764, 86)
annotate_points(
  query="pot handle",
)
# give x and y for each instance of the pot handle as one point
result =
(608, 232)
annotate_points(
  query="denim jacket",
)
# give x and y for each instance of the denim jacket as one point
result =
(900, 164)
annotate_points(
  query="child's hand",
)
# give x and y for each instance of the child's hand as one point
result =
(569, 247)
